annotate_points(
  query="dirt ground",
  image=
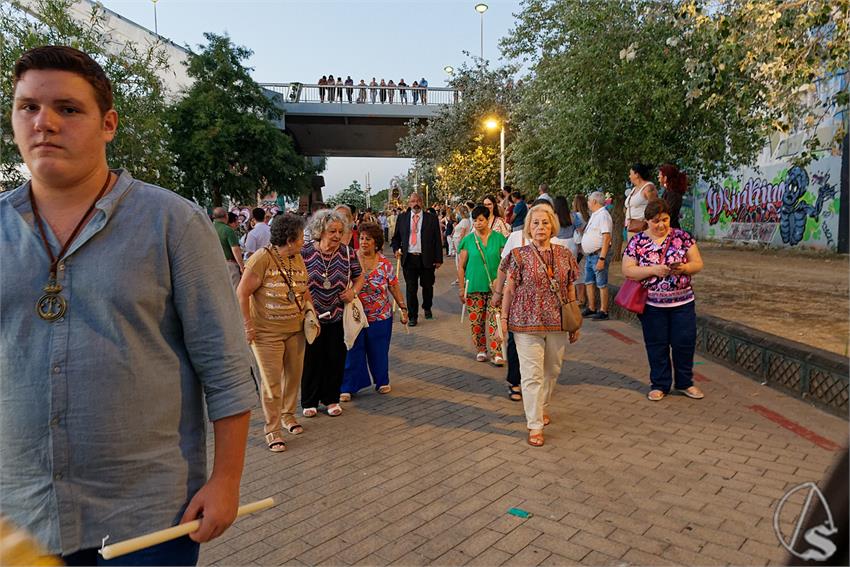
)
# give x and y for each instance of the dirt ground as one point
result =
(797, 295)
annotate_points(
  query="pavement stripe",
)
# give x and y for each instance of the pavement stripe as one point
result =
(620, 336)
(783, 421)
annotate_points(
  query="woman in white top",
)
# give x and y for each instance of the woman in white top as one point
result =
(641, 193)
(462, 228)
(497, 223)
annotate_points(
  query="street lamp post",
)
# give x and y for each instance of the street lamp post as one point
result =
(155, 24)
(492, 124)
(481, 8)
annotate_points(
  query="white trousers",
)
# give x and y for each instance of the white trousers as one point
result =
(540, 360)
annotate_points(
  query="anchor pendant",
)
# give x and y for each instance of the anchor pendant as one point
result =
(51, 306)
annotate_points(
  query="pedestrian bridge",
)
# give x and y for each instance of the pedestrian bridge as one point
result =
(327, 124)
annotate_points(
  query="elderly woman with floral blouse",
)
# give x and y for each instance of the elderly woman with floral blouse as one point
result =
(370, 353)
(334, 277)
(540, 276)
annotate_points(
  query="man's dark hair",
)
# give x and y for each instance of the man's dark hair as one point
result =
(62, 58)
(259, 214)
(286, 228)
(374, 231)
(480, 211)
(232, 218)
(517, 195)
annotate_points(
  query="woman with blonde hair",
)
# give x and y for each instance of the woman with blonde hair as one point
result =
(540, 278)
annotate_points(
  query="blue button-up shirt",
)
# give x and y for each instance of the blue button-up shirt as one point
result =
(102, 425)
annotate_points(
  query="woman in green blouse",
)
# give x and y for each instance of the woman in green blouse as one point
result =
(479, 254)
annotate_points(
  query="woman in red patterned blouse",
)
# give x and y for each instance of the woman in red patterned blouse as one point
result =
(539, 274)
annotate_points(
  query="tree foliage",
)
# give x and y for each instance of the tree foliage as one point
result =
(456, 134)
(353, 195)
(774, 61)
(134, 70)
(225, 144)
(605, 91)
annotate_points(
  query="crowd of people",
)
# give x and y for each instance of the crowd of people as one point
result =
(134, 312)
(331, 89)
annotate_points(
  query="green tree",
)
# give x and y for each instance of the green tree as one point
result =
(141, 144)
(225, 143)
(459, 129)
(605, 91)
(774, 62)
(353, 195)
(378, 201)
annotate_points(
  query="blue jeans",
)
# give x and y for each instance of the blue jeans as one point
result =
(592, 276)
(371, 352)
(666, 331)
(180, 551)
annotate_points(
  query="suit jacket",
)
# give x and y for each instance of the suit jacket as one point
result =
(432, 242)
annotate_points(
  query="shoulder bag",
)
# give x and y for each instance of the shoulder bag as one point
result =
(632, 295)
(311, 321)
(571, 318)
(492, 282)
(353, 314)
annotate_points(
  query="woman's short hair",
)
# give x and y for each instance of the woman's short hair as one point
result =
(374, 231)
(642, 169)
(321, 219)
(545, 210)
(656, 207)
(286, 228)
(463, 211)
(480, 211)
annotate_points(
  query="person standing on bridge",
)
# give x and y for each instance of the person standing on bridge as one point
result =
(322, 82)
(331, 89)
(415, 88)
(383, 91)
(349, 88)
(339, 88)
(391, 90)
(417, 242)
(402, 91)
(361, 92)
(373, 90)
(423, 84)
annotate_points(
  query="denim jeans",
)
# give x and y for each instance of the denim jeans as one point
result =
(181, 551)
(670, 331)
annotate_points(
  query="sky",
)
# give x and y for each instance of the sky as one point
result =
(303, 40)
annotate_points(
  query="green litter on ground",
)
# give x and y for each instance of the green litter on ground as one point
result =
(519, 513)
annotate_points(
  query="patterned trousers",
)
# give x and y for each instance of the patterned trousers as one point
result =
(482, 322)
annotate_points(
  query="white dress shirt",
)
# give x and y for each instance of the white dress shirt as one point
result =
(416, 248)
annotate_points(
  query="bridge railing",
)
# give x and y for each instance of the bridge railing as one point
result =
(360, 94)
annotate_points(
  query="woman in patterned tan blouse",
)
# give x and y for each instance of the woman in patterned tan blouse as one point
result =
(540, 275)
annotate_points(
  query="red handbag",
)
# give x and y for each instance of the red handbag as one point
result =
(632, 295)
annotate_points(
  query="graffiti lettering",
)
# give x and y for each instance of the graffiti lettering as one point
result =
(758, 201)
(762, 232)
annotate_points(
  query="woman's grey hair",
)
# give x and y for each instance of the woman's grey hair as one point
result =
(286, 228)
(321, 219)
(598, 197)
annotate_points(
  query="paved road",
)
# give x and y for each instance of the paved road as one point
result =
(427, 474)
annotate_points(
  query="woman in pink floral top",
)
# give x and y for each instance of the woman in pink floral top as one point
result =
(663, 259)
(371, 350)
(531, 310)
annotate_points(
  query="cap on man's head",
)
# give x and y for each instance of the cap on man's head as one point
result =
(63, 58)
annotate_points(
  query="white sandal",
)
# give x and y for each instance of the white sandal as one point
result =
(309, 412)
(334, 410)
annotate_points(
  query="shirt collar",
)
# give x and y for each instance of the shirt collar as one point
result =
(107, 203)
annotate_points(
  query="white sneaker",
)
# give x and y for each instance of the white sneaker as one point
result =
(345, 397)
(481, 357)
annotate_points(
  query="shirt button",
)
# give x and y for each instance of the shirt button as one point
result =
(55, 421)
(57, 476)
(57, 369)
(62, 267)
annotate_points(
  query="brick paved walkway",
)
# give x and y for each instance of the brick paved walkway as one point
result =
(427, 474)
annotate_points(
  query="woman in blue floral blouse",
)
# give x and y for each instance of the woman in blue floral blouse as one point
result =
(663, 259)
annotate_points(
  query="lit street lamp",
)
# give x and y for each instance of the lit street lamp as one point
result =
(492, 124)
(449, 70)
(481, 8)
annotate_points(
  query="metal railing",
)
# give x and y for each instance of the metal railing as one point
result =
(364, 94)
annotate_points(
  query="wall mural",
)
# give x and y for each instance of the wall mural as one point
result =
(777, 206)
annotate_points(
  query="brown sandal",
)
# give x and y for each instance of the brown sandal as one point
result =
(275, 442)
(535, 437)
(546, 419)
(655, 395)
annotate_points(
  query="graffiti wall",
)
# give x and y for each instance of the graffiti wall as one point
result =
(778, 206)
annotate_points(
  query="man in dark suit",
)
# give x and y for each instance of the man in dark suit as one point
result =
(417, 241)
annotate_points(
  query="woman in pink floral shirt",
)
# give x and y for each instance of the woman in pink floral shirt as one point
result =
(371, 350)
(663, 259)
(538, 274)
